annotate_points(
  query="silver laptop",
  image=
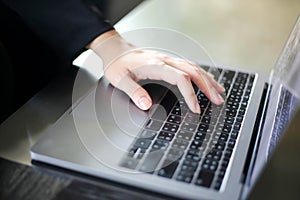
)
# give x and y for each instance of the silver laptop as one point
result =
(218, 154)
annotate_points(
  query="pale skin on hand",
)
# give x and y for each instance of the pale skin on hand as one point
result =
(125, 65)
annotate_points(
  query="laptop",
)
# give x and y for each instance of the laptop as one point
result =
(218, 154)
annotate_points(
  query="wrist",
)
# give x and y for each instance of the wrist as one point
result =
(109, 46)
(101, 38)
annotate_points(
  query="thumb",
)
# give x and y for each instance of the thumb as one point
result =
(141, 98)
(138, 94)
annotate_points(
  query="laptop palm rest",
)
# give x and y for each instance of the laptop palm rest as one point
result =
(107, 121)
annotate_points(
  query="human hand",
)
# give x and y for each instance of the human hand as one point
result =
(125, 65)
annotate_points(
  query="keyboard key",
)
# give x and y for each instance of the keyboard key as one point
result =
(221, 173)
(129, 163)
(237, 126)
(243, 75)
(180, 144)
(231, 113)
(182, 104)
(154, 125)
(232, 106)
(225, 162)
(239, 118)
(179, 111)
(142, 143)
(210, 165)
(159, 114)
(194, 152)
(232, 103)
(205, 128)
(234, 134)
(193, 157)
(164, 135)
(205, 178)
(200, 136)
(196, 144)
(244, 104)
(201, 96)
(224, 128)
(206, 68)
(220, 137)
(188, 169)
(185, 177)
(218, 183)
(170, 127)
(190, 163)
(184, 135)
(216, 72)
(209, 120)
(174, 119)
(175, 154)
(192, 118)
(186, 173)
(231, 144)
(227, 153)
(151, 161)
(228, 74)
(202, 100)
(136, 152)
(168, 168)
(148, 134)
(219, 146)
(214, 155)
(188, 127)
(160, 145)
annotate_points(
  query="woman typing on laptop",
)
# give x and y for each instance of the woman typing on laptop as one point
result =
(125, 64)
(68, 27)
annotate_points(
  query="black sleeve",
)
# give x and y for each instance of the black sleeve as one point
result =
(67, 26)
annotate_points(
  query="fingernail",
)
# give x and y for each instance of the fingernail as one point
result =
(144, 103)
(223, 89)
(197, 108)
(217, 97)
(221, 100)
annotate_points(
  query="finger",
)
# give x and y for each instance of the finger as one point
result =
(201, 78)
(209, 87)
(218, 86)
(138, 95)
(185, 87)
(173, 76)
(213, 81)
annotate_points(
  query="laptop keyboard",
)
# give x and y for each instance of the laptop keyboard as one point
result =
(193, 148)
(286, 108)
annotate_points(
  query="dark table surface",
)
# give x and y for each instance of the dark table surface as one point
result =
(39, 181)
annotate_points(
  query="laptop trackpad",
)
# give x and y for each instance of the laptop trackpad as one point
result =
(115, 109)
(107, 120)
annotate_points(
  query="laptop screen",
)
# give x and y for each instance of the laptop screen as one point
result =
(287, 67)
(285, 81)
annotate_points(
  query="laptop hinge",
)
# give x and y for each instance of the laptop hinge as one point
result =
(256, 136)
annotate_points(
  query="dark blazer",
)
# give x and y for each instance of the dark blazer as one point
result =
(38, 40)
(65, 25)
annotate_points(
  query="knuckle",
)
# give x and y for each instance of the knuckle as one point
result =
(184, 77)
(113, 78)
(196, 70)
